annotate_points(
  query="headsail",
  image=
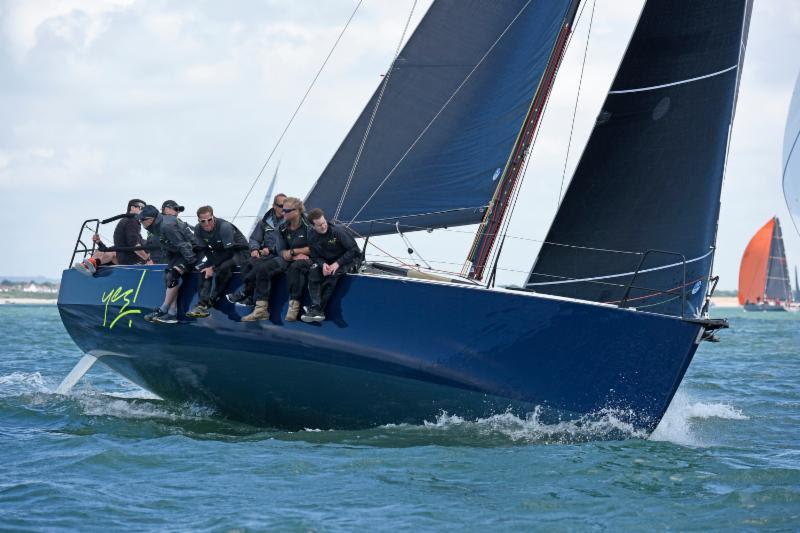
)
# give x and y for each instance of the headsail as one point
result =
(449, 116)
(651, 174)
(791, 158)
(764, 273)
(754, 265)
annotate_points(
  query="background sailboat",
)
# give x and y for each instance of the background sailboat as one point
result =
(791, 158)
(764, 283)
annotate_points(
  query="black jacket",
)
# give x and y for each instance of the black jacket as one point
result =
(221, 244)
(128, 233)
(334, 246)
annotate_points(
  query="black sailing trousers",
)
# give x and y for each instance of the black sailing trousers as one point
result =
(297, 276)
(263, 272)
(321, 287)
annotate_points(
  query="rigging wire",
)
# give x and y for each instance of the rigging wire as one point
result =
(577, 98)
(297, 109)
(411, 249)
(515, 196)
(374, 112)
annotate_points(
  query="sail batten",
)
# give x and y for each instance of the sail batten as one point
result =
(448, 119)
(681, 82)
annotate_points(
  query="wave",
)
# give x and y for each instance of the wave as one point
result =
(677, 425)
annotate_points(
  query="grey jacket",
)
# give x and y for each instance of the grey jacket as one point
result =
(175, 237)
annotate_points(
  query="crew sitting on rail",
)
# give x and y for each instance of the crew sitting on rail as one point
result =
(333, 253)
(263, 245)
(127, 234)
(293, 248)
(176, 240)
(225, 248)
(169, 207)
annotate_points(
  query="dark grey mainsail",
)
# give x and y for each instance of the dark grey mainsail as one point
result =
(449, 115)
(778, 285)
(651, 174)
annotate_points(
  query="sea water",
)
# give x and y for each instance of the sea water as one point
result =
(112, 456)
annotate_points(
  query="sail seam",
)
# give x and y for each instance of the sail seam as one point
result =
(654, 87)
(438, 113)
(663, 267)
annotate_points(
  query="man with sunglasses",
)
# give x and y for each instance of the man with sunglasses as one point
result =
(263, 249)
(176, 240)
(225, 248)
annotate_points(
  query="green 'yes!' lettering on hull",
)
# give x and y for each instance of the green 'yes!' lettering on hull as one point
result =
(115, 295)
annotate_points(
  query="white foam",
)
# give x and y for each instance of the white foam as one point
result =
(105, 405)
(676, 425)
(18, 383)
(608, 423)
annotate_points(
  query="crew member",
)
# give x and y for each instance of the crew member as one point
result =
(127, 234)
(225, 248)
(176, 240)
(263, 247)
(169, 207)
(293, 247)
(333, 253)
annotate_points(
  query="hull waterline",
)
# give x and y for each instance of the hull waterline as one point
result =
(393, 350)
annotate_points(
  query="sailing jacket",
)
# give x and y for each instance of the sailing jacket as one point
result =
(297, 238)
(128, 234)
(176, 239)
(265, 234)
(224, 246)
(334, 246)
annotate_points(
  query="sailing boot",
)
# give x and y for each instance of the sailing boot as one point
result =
(199, 311)
(261, 312)
(293, 312)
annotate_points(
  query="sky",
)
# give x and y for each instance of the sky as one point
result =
(102, 101)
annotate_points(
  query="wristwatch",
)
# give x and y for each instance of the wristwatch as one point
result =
(291, 252)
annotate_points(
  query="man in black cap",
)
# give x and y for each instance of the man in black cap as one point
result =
(169, 207)
(225, 248)
(176, 240)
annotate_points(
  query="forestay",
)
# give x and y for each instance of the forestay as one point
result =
(448, 118)
(651, 174)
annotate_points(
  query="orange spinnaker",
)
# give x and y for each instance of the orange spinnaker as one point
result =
(753, 270)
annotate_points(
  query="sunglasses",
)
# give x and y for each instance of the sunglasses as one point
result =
(278, 205)
(289, 209)
(205, 220)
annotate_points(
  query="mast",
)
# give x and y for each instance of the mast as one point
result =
(486, 236)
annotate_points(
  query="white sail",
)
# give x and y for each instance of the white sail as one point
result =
(791, 158)
(265, 204)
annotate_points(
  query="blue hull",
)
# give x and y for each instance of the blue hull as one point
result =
(393, 350)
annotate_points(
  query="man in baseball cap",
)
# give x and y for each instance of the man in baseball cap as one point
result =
(171, 207)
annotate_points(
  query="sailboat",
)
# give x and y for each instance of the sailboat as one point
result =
(615, 304)
(764, 283)
(791, 158)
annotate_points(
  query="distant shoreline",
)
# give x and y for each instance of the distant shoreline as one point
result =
(27, 301)
(725, 301)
